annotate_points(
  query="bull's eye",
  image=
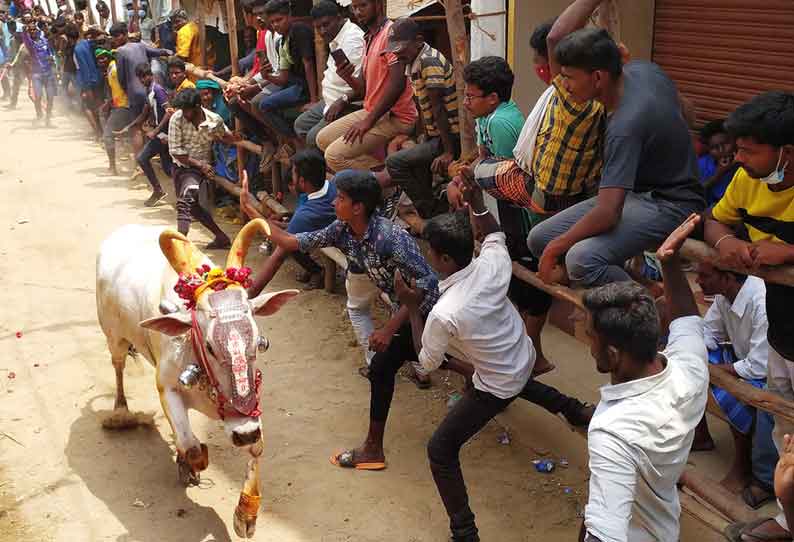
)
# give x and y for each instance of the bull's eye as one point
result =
(209, 349)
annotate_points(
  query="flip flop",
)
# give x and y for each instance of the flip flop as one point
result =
(734, 532)
(753, 500)
(345, 460)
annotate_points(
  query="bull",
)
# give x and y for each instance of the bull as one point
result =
(203, 351)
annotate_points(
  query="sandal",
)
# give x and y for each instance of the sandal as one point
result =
(734, 532)
(347, 460)
(425, 384)
(756, 500)
(219, 244)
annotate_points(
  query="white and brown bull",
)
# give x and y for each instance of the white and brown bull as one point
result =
(204, 354)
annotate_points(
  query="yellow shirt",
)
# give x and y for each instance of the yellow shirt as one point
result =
(567, 160)
(768, 215)
(117, 94)
(187, 83)
(188, 46)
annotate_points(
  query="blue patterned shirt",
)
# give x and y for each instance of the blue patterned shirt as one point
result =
(384, 249)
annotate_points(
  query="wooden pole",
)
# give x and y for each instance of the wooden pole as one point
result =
(113, 16)
(234, 55)
(135, 24)
(725, 502)
(459, 40)
(740, 389)
(91, 19)
(202, 28)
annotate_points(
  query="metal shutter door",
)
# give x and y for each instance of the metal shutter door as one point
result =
(721, 53)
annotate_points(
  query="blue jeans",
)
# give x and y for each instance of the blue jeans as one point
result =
(645, 223)
(764, 454)
(271, 106)
(152, 148)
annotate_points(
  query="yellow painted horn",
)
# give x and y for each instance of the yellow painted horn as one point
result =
(242, 242)
(183, 255)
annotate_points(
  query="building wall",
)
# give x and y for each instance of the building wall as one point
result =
(636, 29)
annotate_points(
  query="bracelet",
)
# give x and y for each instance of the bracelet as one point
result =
(485, 212)
(721, 239)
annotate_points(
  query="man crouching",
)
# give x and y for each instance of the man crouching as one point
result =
(191, 132)
(473, 321)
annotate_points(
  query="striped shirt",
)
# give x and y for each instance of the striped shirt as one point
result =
(431, 70)
(569, 147)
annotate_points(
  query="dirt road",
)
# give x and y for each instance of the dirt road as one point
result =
(63, 478)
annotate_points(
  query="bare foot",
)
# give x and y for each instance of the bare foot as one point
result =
(734, 482)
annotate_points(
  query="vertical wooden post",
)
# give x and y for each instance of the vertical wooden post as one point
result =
(91, 19)
(321, 59)
(135, 25)
(202, 27)
(234, 55)
(113, 15)
(459, 40)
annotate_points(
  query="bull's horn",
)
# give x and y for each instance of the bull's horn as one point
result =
(183, 255)
(242, 242)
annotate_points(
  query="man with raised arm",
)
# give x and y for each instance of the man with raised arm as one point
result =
(642, 430)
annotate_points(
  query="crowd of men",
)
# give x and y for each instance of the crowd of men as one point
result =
(601, 173)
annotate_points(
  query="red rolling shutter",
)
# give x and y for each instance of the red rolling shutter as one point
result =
(720, 53)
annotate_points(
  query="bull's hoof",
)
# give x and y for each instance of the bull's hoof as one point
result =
(198, 458)
(191, 463)
(245, 514)
(187, 477)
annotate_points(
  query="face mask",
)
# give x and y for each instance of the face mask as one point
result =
(776, 176)
(543, 72)
(141, 14)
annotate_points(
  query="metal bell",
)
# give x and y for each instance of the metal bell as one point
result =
(262, 343)
(190, 376)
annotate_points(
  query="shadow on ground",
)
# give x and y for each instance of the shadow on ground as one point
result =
(133, 473)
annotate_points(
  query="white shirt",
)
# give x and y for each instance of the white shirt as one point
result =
(271, 51)
(744, 324)
(474, 321)
(639, 440)
(319, 193)
(351, 40)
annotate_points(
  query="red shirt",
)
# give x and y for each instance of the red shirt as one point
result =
(376, 70)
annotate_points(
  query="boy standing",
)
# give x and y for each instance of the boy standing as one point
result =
(42, 61)
(117, 107)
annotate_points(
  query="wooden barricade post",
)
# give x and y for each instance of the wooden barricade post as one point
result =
(459, 40)
(231, 28)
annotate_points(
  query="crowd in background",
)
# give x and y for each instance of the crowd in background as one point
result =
(601, 174)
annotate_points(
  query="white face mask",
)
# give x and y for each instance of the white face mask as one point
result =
(778, 174)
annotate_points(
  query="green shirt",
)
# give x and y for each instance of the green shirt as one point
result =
(499, 131)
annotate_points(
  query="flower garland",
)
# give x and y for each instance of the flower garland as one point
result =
(190, 286)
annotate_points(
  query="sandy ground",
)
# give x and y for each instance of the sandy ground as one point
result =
(63, 478)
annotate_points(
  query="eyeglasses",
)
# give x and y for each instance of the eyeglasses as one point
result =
(470, 97)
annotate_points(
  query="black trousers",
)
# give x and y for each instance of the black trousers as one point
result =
(383, 370)
(466, 419)
(306, 262)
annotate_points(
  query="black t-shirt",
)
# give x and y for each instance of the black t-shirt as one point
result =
(300, 43)
(779, 300)
(648, 146)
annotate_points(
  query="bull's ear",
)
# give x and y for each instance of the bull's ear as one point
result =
(267, 304)
(173, 324)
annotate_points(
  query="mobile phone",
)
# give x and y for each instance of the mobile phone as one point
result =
(339, 57)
